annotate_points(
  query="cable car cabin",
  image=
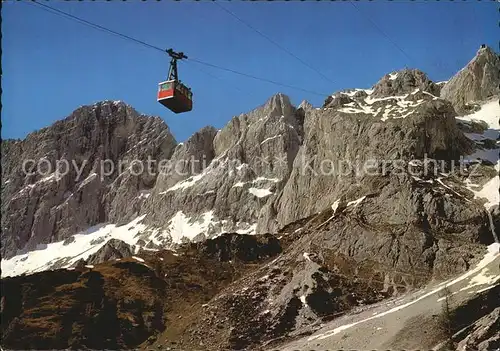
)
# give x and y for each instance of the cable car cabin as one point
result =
(175, 96)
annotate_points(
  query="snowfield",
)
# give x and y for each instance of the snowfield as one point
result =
(401, 109)
(60, 255)
(489, 114)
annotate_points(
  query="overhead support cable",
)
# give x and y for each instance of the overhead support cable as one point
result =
(143, 43)
(273, 42)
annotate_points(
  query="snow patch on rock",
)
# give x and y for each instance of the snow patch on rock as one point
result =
(58, 255)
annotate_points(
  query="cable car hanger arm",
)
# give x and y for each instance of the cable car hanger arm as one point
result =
(176, 55)
(172, 72)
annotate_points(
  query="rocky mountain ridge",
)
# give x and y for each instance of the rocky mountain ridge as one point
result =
(47, 200)
(477, 81)
(263, 170)
(374, 194)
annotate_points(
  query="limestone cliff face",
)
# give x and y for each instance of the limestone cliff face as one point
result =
(42, 203)
(237, 170)
(475, 82)
(357, 136)
(358, 200)
(264, 170)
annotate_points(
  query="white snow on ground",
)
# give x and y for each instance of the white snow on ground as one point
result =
(181, 226)
(138, 259)
(491, 255)
(356, 202)
(243, 165)
(144, 194)
(356, 110)
(262, 279)
(54, 176)
(58, 255)
(257, 191)
(50, 178)
(351, 92)
(402, 109)
(370, 101)
(264, 179)
(262, 119)
(260, 192)
(85, 243)
(187, 183)
(481, 290)
(335, 206)
(306, 256)
(87, 180)
(490, 114)
(489, 191)
(434, 97)
(271, 138)
(440, 181)
(483, 278)
(393, 76)
(256, 180)
(252, 229)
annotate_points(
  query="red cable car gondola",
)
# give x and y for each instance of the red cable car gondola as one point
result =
(172, 93)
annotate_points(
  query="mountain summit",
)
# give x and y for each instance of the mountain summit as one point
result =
(266, 229)
(477, 81)
(404, 82)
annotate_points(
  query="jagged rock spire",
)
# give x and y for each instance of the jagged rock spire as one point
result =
(479, 80)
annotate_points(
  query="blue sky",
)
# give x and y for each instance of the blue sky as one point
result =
(52, 65)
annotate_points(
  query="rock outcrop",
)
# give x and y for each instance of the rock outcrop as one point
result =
(246, 164)
(75, 174)
(264, 170)
(364, 198)
(476, 323)
(113, 249)
(475, 82)
(484, 334)
(404, 82)
(242, 247)
(343, 144)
